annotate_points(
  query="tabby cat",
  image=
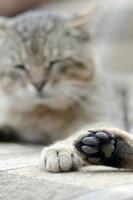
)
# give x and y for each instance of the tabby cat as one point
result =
(52, 88)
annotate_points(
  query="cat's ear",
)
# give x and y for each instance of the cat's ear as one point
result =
(83, 24)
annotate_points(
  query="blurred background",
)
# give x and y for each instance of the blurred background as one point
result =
(113, 39)
(13, 7)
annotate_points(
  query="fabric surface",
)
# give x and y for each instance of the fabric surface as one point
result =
(21, 177)
(119, 193)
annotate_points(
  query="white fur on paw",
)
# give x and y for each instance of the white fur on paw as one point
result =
(60, 159)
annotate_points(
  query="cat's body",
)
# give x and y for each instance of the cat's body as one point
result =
(51, 88)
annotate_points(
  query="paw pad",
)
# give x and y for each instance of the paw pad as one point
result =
(98, 144)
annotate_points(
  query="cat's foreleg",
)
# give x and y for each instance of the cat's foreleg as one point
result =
(102, 145)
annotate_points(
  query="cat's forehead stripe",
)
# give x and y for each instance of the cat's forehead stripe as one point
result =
(28, 24)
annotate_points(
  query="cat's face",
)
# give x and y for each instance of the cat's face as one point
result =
(44, 61)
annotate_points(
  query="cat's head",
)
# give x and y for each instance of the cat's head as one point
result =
(45, 59)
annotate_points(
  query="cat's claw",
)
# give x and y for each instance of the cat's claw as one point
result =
(60, 159)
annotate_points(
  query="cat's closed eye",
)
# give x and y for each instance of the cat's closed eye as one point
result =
(71, 67)
(20, 66)
(58, 66)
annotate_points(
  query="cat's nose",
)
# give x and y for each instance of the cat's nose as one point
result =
(39, 85)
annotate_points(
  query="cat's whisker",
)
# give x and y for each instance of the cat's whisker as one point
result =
(78, 98)
(69, 94)
(73, 96)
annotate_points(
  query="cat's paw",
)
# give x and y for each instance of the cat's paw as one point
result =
(97, 146)
(60, 159)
